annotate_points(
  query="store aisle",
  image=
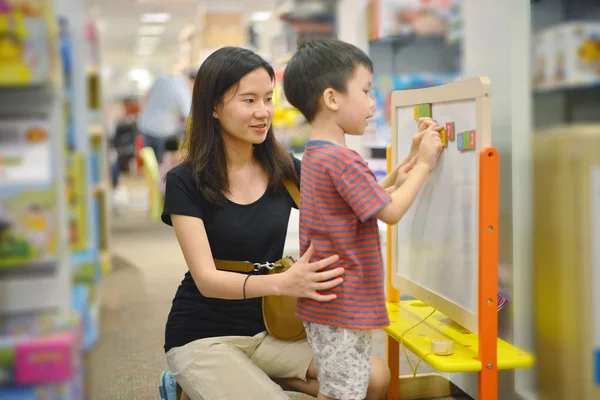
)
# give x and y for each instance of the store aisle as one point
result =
(136, 297)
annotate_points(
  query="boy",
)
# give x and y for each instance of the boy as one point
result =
(329, 81)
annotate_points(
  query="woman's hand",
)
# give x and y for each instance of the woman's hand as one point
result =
(305, 279)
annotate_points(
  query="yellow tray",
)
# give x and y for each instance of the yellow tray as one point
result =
(407, 313)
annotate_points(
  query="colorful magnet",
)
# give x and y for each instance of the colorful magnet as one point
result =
(459, 142)
(465, 139)
(416, 108)
(450, 130)
(471, 139)
(468, 140)
(444, 138)
(425, 110)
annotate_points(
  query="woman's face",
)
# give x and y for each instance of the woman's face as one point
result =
(246, 112)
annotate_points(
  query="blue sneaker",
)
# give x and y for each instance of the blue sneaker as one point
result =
(168, 386)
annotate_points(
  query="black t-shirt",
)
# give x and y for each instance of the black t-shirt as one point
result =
(255, 232)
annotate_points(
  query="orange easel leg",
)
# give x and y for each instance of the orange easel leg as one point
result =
(393, 296)
(488, 272)
(393, 361)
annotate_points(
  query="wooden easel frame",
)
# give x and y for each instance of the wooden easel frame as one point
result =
(485, 321)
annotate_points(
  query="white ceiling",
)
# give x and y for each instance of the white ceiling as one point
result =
(119, 23)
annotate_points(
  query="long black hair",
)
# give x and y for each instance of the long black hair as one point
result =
(204, 146)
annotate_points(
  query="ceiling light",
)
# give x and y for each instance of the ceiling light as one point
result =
(144, 50)
(151, 30)
(156, 18)
(139, 74)
(148, 40)
(260, 16)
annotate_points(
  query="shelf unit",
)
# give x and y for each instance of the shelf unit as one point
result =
(39, 329)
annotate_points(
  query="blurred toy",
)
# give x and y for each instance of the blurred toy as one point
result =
(39, 350)
(560, 73)
(503, 300)
(13, 249)
(13, 33)
(76, 195)
(589, 52)
(29, 235)
(72, 390)
(24, 42)
(567, 54)
(540, 72)
(33, 8)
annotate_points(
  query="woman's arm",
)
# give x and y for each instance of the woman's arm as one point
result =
(301, 280)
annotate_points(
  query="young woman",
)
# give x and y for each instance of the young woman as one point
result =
(227, 201)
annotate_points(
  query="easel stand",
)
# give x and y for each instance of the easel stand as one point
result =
(414, 323)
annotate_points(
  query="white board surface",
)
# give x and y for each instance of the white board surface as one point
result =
(438, 236)
(435, 245)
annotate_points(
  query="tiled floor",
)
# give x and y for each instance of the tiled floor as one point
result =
(136, 297)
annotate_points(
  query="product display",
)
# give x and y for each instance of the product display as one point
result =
(567, 55)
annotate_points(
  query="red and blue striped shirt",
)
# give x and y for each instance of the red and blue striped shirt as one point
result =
(340, 197)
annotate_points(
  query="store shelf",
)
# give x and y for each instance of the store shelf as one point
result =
(567, 86)
(32, 294)
(26, 100)
(39, 269)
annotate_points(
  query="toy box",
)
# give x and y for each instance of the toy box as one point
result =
(84, 303)
(28, 209)
(543, 59)
(25, 151)
(76, 200)
(41, 349)
(25, 58)
(72, 390)
(28, 227)
(567, 55)
(86, 267)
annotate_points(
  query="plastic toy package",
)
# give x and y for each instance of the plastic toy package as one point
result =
(25, 32)
(567, 54)
(28, 228)
(28, 209)
(39, 350)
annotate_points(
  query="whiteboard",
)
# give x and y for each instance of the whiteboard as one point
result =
(436, 243)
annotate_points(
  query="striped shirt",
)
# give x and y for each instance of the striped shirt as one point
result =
(340, 197)
(166, 108)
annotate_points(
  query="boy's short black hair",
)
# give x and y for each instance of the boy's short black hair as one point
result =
(318, 65)
(172, 143)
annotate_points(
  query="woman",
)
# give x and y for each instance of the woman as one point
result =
(227, 201)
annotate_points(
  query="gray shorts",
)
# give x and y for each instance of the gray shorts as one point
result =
(342, 359)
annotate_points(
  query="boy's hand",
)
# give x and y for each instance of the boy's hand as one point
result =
(430, 148)
(403, 172)
(423, 124)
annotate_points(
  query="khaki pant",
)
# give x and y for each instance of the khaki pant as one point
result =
(238, 367)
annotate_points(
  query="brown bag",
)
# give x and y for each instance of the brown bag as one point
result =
(279, 312)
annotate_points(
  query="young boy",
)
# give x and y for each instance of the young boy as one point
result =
(329, 81)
